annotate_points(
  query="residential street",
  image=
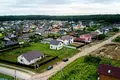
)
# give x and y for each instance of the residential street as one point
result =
(56, 68)
(48, 74)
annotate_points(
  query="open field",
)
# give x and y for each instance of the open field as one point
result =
(81, 70)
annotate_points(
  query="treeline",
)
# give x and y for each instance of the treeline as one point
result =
(108, 18)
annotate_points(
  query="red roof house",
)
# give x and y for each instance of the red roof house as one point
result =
(86, 37)
(107, 72)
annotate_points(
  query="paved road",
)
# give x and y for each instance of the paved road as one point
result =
(48, 74)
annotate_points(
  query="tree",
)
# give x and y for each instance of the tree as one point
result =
(101, 36)
(117, 39)
(92, 59)
(115, 29)
(2, 44)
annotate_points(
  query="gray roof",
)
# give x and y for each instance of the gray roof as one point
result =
(67, 37)
(32, 55)
(54, 42)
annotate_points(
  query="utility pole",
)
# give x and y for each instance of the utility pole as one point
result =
(15, 75)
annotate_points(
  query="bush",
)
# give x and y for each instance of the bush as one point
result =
(101, 36)
(115, 29)
(92, 59)
(117, 39)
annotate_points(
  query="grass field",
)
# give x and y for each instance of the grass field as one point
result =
(80, 70)
(5, 77)
(44, 48)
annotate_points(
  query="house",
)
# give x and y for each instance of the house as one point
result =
(26, 29)
(76, 26)
(66, 39)
(107, 72)
(103, 30)
(11, 36)
(62, 32)
(30, 57)
(48, 40)
(10, 43)
(56, 45)
(87, 37)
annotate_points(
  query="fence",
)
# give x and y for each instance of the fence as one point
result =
(70, 47)
(27, 66)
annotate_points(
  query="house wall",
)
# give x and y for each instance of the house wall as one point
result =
(87, 39)
(24, 61)
(67, 42)
(103, 77)
(56, 47)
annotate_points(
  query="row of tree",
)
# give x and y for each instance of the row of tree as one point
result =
(108, 18)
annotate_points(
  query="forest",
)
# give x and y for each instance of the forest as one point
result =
(112, 18)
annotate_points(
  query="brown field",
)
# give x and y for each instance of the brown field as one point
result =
(111, 51)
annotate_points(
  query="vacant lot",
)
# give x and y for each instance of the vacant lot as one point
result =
(111, 51)
(81, 70)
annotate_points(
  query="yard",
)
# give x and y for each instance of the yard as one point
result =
(44, 48)
(81, 70)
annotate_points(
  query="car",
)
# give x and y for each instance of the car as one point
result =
(49, 67)
(65, 60)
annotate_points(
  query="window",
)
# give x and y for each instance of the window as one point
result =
(51, 46)
(21, 60)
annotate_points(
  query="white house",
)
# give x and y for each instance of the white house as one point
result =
(66, 39)
(101, 31)
(56, 45)
(30, 57)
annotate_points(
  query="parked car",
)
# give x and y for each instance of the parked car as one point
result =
(65, 59)
(49, 67)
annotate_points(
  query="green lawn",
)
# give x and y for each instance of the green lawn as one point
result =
(44, 48)
(80, 70)
(5, 77)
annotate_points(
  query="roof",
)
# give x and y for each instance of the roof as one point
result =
(109, 70)
(10, 43)
(54, 42)
(66, 37)
(79, 39)
(73, 25)
(10, 35)
(32, 55)
(86, 35)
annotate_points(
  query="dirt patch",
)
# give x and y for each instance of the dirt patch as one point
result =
(111, 51)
